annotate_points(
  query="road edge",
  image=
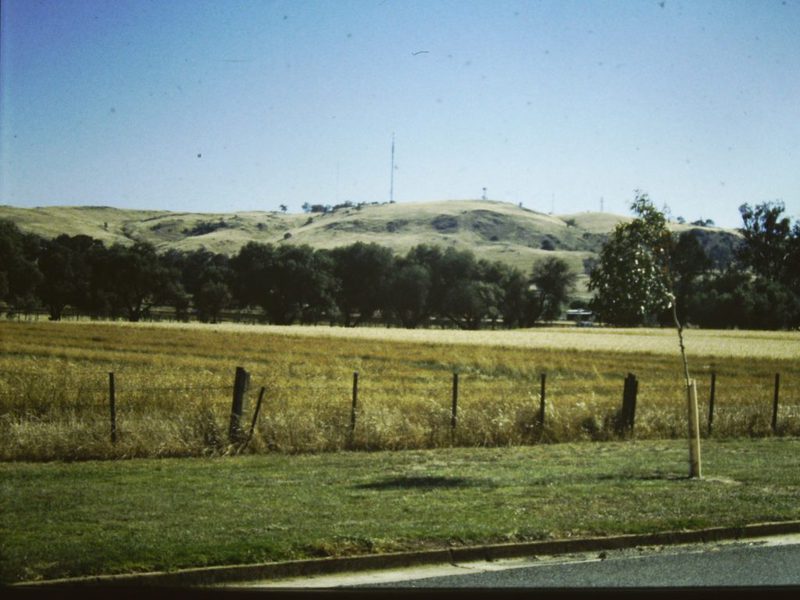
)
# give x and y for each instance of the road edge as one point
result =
(206, 576)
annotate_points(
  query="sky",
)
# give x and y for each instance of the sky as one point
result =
(561, 106)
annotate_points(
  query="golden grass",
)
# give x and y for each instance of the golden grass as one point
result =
(701, 343)
(174, 386)
(396, 226)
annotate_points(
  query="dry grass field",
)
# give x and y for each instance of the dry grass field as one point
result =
(174, 386)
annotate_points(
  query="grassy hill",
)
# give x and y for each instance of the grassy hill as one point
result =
(493, 230)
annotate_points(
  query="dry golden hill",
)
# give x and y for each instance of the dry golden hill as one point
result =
(493, 230)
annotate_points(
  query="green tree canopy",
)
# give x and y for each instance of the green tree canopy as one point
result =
(66, 266)
(363, 275)
(768, 240)
(771, 254)
(409, 288)
(554, 282)
(631, 281)
(136, 279)
(19, 274)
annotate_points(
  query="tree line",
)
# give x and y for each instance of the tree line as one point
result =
(280, 284)
(644, 270)
(641, 270)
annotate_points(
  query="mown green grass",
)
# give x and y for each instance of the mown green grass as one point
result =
(86, 518)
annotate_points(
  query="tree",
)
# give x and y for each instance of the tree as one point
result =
(687, 262)
(771, 254)
(19, 273)
(288, 283)
(554, 281)
(202, 277)
(430, 258)
(136, 278)
(300, 285)
(631, 281)
(719, 300)
(210, 299)
(469, 302)
(250, 274)
(320, 301)
(518, 299)
(362, 273)
(768, 240)
(456, 292)
(65, 263)
(409, 288)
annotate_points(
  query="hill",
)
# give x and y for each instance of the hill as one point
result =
(493, 230)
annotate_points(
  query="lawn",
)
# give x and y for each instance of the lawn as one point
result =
(100, 517)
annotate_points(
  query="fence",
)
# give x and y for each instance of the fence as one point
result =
(114, 418)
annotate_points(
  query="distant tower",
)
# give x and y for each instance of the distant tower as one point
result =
(391, 175)
(601, 204)
(484, 194)
(337, 181)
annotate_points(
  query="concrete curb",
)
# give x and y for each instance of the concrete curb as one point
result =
(228, 574)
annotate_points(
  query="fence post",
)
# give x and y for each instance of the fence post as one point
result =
(542, 399)
(695, 469)
(632, 402)
(628, 412)
(775, 403)
(112, 404)
(353, 409)
(711, 401)
(240, 385)
(255, 416)
(454, 408)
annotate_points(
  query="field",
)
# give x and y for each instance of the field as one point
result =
(88, 518)
(174, 386)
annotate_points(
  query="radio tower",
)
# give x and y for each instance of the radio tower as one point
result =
(391, 175)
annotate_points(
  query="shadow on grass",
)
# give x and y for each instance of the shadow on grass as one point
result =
(426, 483)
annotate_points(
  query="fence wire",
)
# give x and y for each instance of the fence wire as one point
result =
(408, 411)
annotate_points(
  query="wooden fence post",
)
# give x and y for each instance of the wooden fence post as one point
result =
(112, 404)
(255, 416)
(542, 391)
(628, 413)
(454, 408)
(353, 409)
(240, 384)
(711, 401)
(775, 403)
(695, 469)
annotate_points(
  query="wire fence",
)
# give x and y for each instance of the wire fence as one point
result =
(106, 415)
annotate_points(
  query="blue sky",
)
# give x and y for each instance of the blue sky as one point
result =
(222, 105)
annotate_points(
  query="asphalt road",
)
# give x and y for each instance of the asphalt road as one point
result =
(720, 566)
(762, 563)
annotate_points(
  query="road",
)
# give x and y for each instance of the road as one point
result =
(763, 562)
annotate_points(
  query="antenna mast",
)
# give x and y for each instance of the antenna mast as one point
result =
(391, 175)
